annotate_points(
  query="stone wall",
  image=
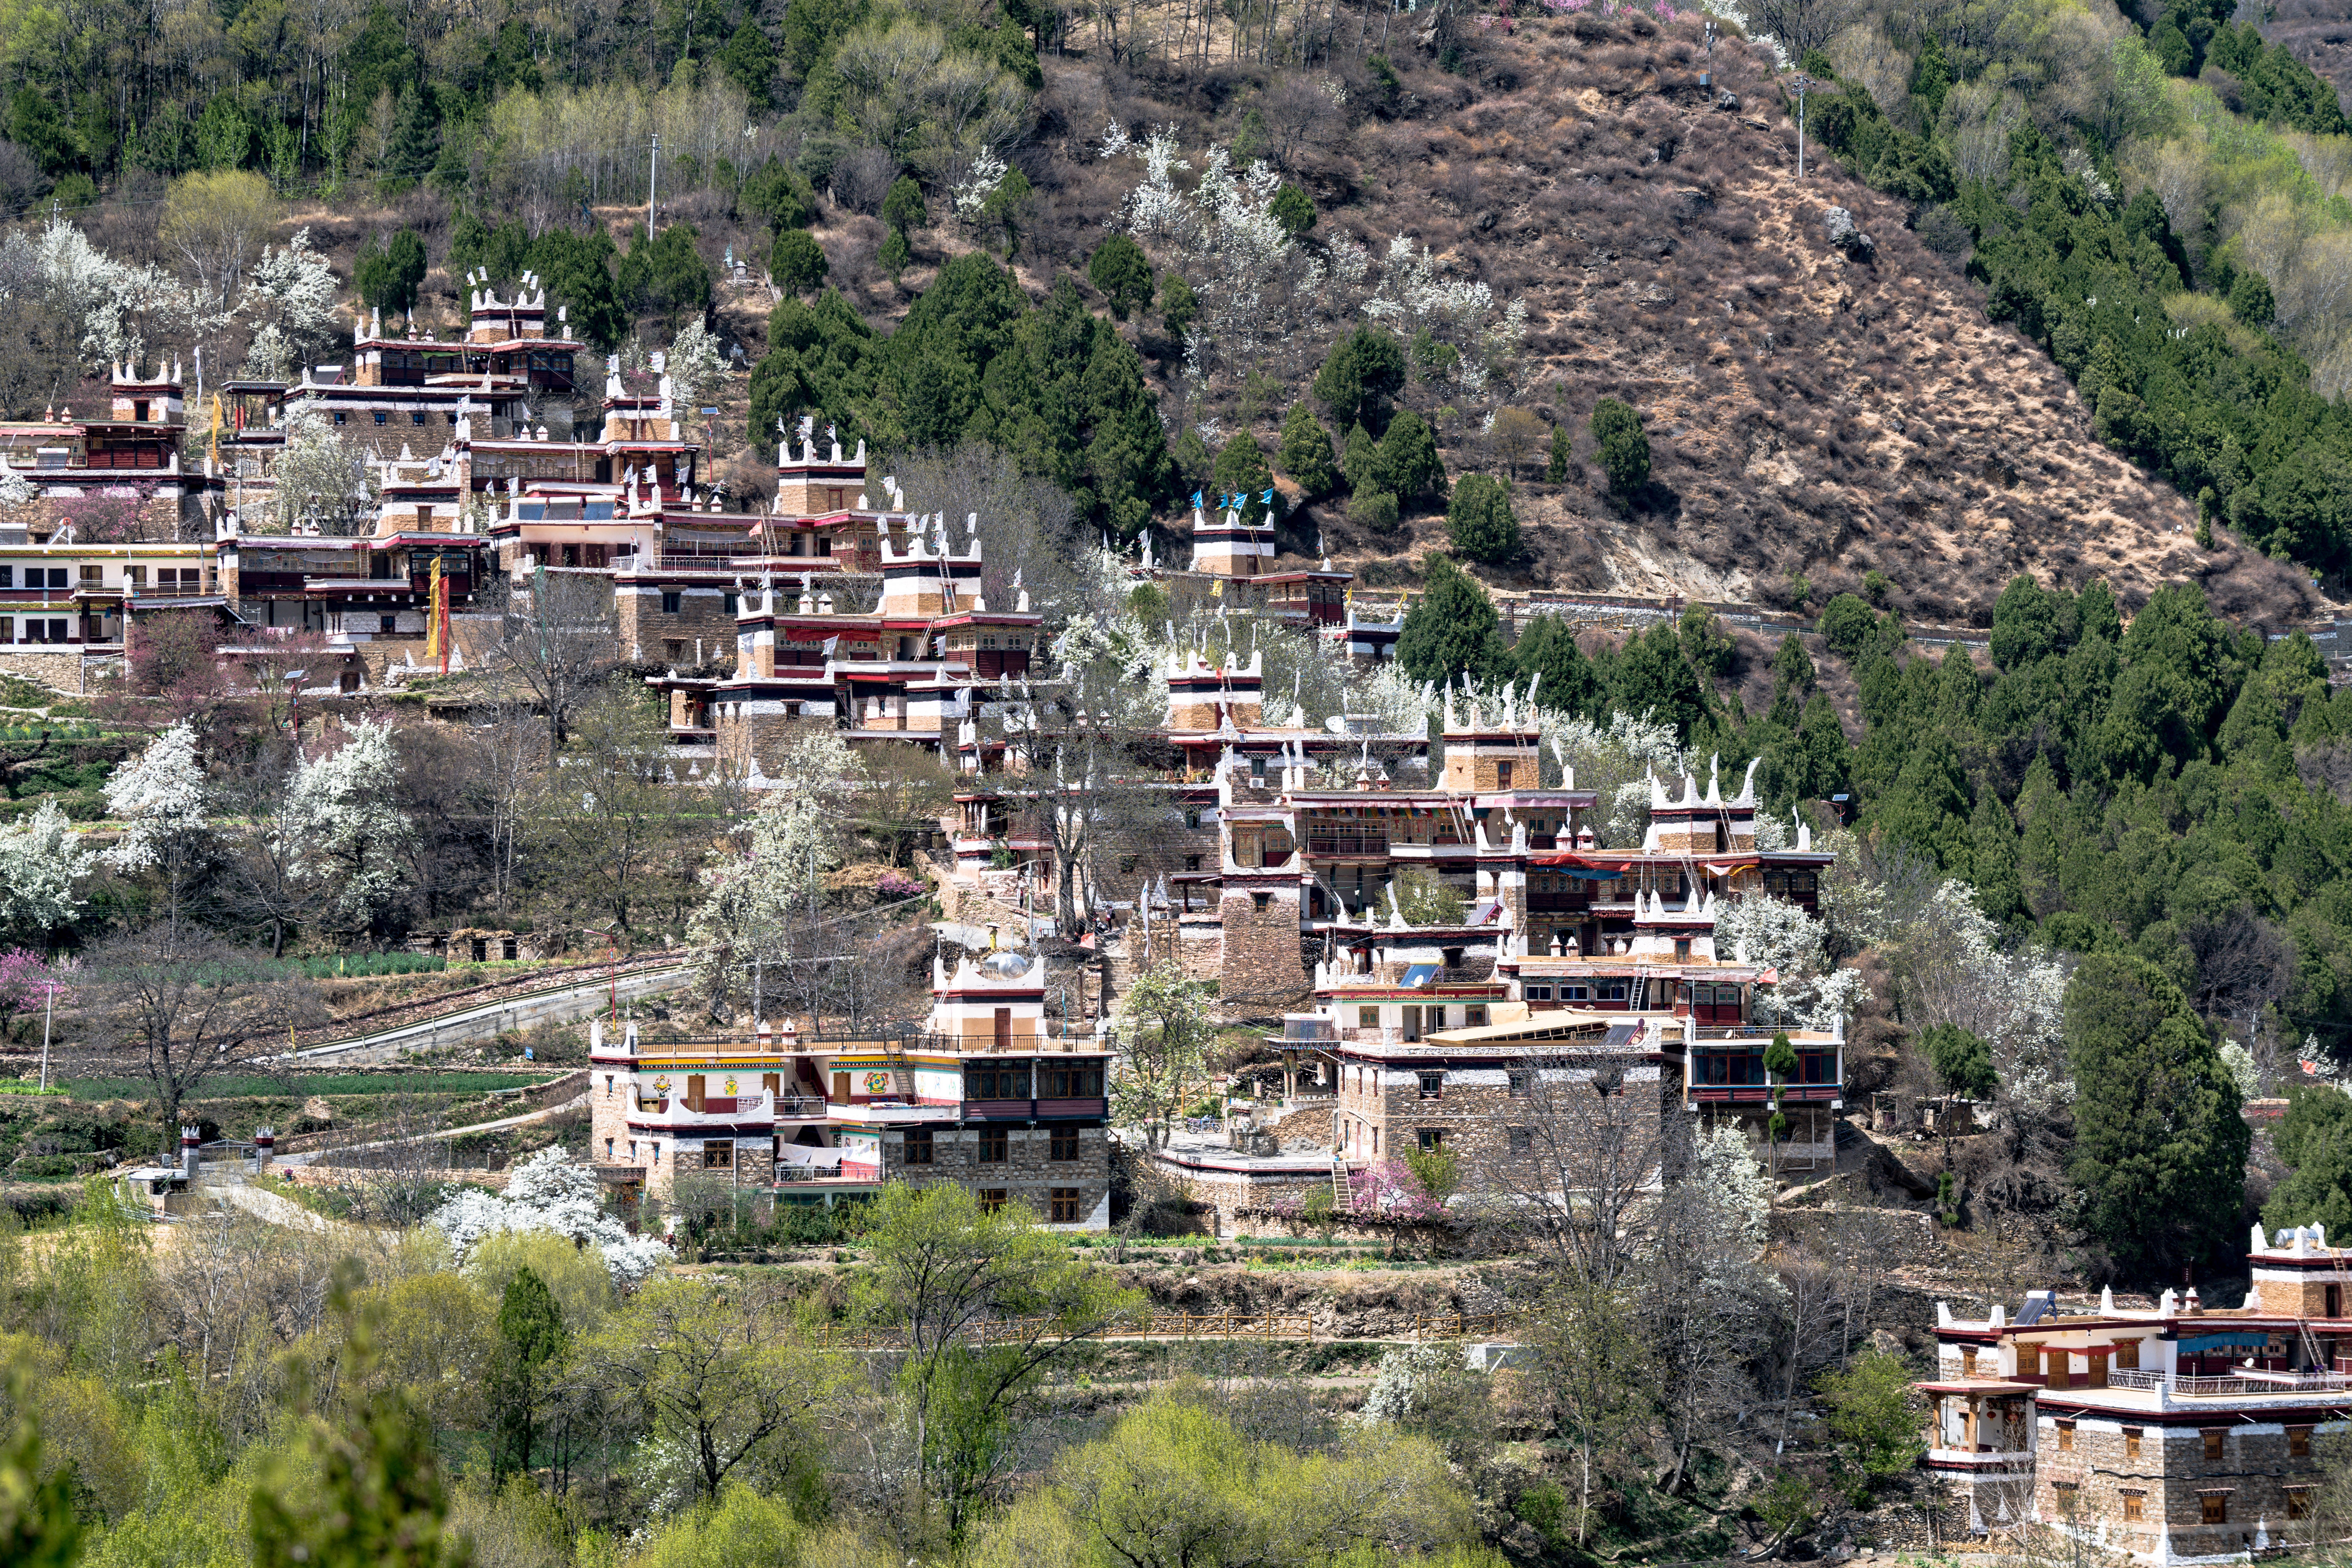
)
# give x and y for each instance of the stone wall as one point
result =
(66, 669)
(1477, 1109)
(1260, 970)
(1029, 1174)
(763, 732)
(2084, 1485)
(1237, 1199)
(649, 633)
(1200, 946)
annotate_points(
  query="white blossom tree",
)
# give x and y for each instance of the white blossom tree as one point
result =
(1949, 969)
(122, 308)
(1259, 287)
(290, 298)
(323, 479)
(160, 798)
(693, 364)
(41, 859)
(1779, 936)
(759, 907)
(551, 1192)
(355, 837)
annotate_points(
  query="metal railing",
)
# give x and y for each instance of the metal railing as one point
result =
(2239, 1383)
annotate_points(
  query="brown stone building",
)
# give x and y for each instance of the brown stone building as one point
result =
(2180, 1435)
(984, 1096)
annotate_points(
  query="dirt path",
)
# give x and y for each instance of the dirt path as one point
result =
(527, 1118)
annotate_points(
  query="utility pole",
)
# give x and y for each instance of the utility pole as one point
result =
(652, 185)
(1803, 85)
(46, 1016)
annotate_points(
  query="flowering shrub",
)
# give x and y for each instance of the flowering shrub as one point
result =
(1391, 1189)
(549, 1192)
(898, 885)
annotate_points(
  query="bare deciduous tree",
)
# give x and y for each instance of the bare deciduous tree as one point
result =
(1803, 24)
(178, 1006)
(556, 637)
(1583, 1161)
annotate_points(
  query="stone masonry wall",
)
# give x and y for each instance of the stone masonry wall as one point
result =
(2089, 1481)
(1476, 1111)
(1261, 971)
(1028, 1175)
(648, 632)
(60, 671)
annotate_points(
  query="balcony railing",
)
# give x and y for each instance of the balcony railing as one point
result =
(1348, 844)
(2250, 1382)
(675, 562)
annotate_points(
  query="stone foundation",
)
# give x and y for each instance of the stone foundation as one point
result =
(68, 670)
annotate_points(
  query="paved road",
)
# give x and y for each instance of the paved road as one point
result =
(558, 1004)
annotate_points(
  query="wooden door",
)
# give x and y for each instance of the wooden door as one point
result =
(841, 1089)
(694, 1091)
(1003, 1029)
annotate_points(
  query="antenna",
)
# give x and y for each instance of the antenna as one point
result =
(1803, 85)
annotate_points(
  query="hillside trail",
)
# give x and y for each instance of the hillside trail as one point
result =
(525, 1119)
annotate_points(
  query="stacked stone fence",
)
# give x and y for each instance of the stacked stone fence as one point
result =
(1421, 1327)
(1634, 612)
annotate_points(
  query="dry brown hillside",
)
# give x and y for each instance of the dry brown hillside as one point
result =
(2320, 33)
(1812, 411)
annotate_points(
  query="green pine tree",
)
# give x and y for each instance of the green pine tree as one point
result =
(1178, 304)
(1546, 649)
(1241, 470)
(750, 61)
(1306, 454)
(1122, 273)
(1556, 464)
(2160, 1161)
(1362, 373)
(1360, 462)
(533, 1342)
(1452, 629)
(1992, 858)
(1479, 523)
(1624, 445)
(415, 143)
(1410, 465)
(797, 263)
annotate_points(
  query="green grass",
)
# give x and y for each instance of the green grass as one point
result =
(28, 1088)
(367, 965)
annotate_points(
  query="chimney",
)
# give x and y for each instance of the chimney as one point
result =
(191, 1143)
